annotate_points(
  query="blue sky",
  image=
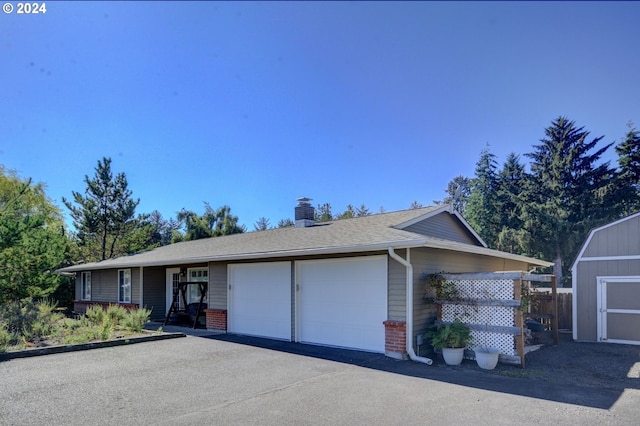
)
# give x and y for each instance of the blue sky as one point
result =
(256, 104)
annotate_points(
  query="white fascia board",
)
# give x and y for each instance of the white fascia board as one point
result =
(598, 258)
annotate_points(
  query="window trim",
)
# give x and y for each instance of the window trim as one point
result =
(193, 291)
(123, 273)
(85, 291)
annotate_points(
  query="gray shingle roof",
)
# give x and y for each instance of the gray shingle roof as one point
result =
(367, 233)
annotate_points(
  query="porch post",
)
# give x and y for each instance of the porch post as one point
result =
(141, 285)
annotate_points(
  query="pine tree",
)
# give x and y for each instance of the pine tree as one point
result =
(458, 190)
(213, 223)
(105, 215)
(512, 237)
(565, 192)
(32, 240)
(629, 171)
(481, 211)
(262, 224)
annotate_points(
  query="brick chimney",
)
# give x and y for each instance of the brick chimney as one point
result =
(304, 213)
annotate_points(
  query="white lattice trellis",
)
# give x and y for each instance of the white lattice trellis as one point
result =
(483, 303)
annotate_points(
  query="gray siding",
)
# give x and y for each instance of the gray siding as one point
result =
(217, 286)
(104, 285)
(621, 239)
(430, 261)
(445, 226)
(135, 285)
(587, 288)
(154, 290)
(397, 289)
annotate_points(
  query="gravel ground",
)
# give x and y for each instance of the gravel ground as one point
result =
(598, 365)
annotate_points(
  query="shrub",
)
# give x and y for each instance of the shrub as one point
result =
(5, 337)
(28, 320)
(454, 335)
(95, 315)
(136, 319)
(116, 313)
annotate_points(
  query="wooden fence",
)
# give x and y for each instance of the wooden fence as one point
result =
(542, 304)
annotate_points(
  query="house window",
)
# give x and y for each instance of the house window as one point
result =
(193, 291)
(124, 286)
(85, 286)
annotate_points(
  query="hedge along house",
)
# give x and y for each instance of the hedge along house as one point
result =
(353, 283)
(606, 284)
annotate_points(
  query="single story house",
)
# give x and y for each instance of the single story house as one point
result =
(606, 284)
(353, 283)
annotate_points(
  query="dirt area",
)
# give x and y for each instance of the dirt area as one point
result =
(599, 365)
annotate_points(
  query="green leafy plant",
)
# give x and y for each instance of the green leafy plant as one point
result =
(454, 335)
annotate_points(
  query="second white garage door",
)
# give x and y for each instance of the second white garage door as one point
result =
(260, 299)
(343, 302)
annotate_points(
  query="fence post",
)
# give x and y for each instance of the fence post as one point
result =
(554, 309)
(517, 295)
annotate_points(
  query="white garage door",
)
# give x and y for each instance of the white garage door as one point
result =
(260, 299)
(343, 302)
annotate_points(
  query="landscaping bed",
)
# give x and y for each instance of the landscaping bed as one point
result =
(34, 328)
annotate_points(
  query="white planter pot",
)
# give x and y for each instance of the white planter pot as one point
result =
(453, 356)
(487, 358)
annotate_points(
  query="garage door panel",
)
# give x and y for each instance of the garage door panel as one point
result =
(343, 302)
(260, 299)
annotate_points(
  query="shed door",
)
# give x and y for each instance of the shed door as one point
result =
(619, 309)
(343, 302)
(260, 299)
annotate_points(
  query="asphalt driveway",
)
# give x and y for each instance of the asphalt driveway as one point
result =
(228, 379)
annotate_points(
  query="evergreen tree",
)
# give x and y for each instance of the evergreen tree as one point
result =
(362, 211)
(512, 237)
(629, 171)
(104, 215)
(482, 212)
(285, 223)
(564, 195)
(32, 240)
(213, 223)
(262, 224)
(348, 213)
(323, 213)
(458, 192)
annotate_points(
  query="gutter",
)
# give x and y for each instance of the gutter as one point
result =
(409, 310)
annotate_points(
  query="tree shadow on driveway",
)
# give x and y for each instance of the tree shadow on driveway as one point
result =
(534, 382)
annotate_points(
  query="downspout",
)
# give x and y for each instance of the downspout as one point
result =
(409, 309)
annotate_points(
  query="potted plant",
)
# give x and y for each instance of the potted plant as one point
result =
(486, 357)
(452, 339)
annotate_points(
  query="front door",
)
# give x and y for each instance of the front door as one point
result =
(173, 278)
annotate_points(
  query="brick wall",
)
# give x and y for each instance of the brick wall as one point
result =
(216, 319)
(395, 339)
